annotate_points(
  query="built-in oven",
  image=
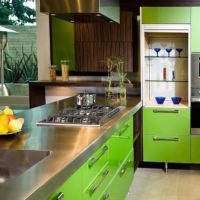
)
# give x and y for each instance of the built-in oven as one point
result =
(195, 93)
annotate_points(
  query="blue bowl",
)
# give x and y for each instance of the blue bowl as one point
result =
(176, 100)
(160, 100)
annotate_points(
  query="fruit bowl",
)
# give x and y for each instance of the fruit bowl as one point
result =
(160, 100)
(176, 100)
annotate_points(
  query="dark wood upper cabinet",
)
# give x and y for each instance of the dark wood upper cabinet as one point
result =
(95, 42)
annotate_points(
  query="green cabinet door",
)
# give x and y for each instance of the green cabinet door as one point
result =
(166, 121)
(72, 188)
(119, 186)
(121, 142)
(195, 149)
(195, 29)
(166, 148)
(166, 15)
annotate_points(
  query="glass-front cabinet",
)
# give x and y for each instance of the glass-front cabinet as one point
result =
(165, 60)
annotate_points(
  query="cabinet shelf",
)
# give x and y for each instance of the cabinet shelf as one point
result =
(181, 57)
(168, 81)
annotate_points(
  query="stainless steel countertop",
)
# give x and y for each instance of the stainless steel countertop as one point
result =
(70, 146)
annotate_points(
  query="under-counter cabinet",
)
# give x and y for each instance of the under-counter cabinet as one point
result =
(165, 50)
(195, 149)
(108, 173)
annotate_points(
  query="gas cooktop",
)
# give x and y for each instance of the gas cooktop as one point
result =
(95, 115)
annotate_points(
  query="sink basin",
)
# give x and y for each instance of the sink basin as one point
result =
(15, 162)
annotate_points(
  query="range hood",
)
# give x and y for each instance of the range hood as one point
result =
(82, 10)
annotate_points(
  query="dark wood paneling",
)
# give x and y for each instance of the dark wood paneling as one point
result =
(95, 42)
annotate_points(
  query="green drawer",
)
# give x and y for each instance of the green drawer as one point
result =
(118, 188)
(96, 163)
(166, 148)
(121, 142)
(195, 149)
(166, 121)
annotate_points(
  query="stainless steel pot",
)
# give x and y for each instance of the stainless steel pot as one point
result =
(85, 99)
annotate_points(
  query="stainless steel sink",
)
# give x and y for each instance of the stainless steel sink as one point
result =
(15, 162)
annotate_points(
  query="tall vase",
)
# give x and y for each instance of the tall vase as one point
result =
(122, 95)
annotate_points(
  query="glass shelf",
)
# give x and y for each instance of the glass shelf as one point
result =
(184, 57)
(168, 81)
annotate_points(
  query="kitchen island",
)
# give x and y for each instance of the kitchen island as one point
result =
(69, 148)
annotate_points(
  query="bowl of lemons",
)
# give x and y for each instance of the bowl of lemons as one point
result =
(9, 123)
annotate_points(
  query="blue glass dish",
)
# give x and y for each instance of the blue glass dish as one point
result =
(176, 100)
(157, 50)
(160, 100)
(168, 50)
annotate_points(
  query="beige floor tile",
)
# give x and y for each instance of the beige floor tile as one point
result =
(155, 184)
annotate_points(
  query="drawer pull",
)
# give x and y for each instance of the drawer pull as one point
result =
(176, 139)
(122, 131)
(120, 137)
(60, 196)
(165, 111)
(95, 187)
(123, 170)
(106, 196)
(94, 160)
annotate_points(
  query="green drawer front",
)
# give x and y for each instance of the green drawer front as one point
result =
(195, 149)
(119, 187)
(94, 190)
(165, 15)
(166, 148)
(166, 121)
(96, 163)
(121, 142)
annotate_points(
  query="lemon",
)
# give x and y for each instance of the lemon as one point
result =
(8, 111)
(14, 125)
(4, 119)
(3, 128)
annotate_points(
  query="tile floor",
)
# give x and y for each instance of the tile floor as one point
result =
(155, 184)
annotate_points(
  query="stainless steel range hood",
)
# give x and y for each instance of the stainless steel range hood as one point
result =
(83, 10)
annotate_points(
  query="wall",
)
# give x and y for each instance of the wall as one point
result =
(43, 43)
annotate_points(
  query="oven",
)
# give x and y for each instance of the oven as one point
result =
(195, 93)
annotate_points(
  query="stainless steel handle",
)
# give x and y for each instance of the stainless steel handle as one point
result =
(60, 196)
(121, 137)
(165, 111)
(106, 196)
(95, 187)
(123, 170)
(176, 139)
(94, 160)
(122, 131)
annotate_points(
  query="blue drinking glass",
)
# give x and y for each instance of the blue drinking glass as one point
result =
(168, 50)
(179, 51)
(157, 50)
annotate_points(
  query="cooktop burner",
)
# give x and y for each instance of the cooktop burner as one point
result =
(94, 115)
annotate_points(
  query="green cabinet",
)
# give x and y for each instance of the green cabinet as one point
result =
(110, 169)
(166, 135)
(195, 149)
(195, 30)
(119, 186)
(166, 148)
(166, 15)
(166, 121)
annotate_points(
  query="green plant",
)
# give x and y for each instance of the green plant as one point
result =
(22, 69)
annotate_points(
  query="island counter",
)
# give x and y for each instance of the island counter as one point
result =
(69, 146)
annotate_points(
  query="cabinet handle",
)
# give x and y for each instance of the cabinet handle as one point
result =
(60, 196)
(94, 160)
(123, 170)
(121, 137)
(106, 196)
(95, 187)
(165, 111)
(176, 139)
(122, 131)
